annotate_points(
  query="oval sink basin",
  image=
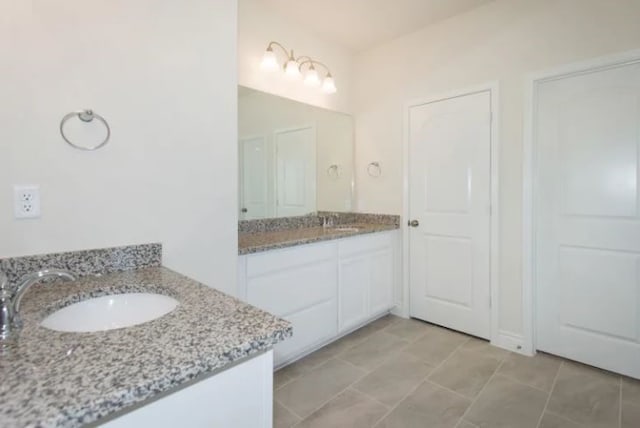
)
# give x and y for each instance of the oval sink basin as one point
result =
(110, 312)
(345, 229)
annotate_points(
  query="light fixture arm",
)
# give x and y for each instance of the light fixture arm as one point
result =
(312, 62)
(287, 53)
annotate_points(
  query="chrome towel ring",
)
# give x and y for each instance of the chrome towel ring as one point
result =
(85, 116)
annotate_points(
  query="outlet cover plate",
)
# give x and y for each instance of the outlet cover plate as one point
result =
(26, 201)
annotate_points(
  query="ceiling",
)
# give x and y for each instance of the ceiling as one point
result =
(361, 24)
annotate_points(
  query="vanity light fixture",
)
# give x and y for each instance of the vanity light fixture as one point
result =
(297, 67)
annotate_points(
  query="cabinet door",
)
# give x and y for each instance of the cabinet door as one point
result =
(381, 283)
(353, 295)
(311, 327)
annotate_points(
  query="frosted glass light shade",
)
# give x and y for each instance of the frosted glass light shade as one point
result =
(292, 69)
(311, 77)
(269, 61)
(329, 85)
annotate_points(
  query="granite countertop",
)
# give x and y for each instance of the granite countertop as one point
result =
(254, 242)
(54, 379)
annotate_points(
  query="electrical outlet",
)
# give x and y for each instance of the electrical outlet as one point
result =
(26, 201)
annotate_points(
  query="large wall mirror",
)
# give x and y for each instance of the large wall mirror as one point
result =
(295, 158)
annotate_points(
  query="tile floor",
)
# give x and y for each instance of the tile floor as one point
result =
(407, 373)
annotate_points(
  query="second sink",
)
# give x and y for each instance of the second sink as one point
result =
(110, 312)
(344, 229)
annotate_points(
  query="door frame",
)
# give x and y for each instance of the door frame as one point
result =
(530, 177)
(403, 302)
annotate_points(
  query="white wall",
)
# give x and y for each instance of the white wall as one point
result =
(257, 26)
(502, 41)
(164, 74)
(261, 114)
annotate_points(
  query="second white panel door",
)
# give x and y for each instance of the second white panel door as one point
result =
(295, 171)
(254, 200)
(587, 217)
(450, 196)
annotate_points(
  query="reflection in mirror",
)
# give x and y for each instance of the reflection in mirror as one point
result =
(294, 158)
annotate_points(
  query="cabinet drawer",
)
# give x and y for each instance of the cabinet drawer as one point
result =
(364, 244)
(277, 260)
(287, 291)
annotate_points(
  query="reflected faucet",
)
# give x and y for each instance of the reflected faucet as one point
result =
(10, 304)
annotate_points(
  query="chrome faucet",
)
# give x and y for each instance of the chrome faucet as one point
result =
(329, 220)
(10, 304)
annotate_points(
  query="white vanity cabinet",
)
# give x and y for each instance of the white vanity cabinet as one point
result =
(365, 279)
(298, 284)
(239, 397)
(324, 289)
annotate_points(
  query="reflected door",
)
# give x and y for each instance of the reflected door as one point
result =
(587, 258)
(295, 171)
(254, 201)
(450, 154)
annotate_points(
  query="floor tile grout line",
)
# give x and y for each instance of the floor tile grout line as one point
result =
(448, 389)
(368, 396)
(324, 403)
(564, 418)
(568, 363)
(403, 348)
(290, 411)
(519, 382)
(620, 406)
(338, 358)
(291, 379)
(366, 373)
(420, 383)
(480, 393)
(500, 361)
(553, 386)
(392, 408)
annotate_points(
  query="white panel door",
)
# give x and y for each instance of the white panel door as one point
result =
(450, 195)
(254, 202)
(587, 235)
(295, 171)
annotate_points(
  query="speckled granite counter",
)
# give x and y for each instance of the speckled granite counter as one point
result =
(255, 242)
(53, 379)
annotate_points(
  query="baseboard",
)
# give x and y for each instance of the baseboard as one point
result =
(399, 311)
(313, 348)
(512, 342)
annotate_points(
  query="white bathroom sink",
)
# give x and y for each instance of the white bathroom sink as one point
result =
(110, 312)
(345, 229)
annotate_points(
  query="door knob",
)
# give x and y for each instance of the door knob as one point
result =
(414, 223)
(244, 210)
